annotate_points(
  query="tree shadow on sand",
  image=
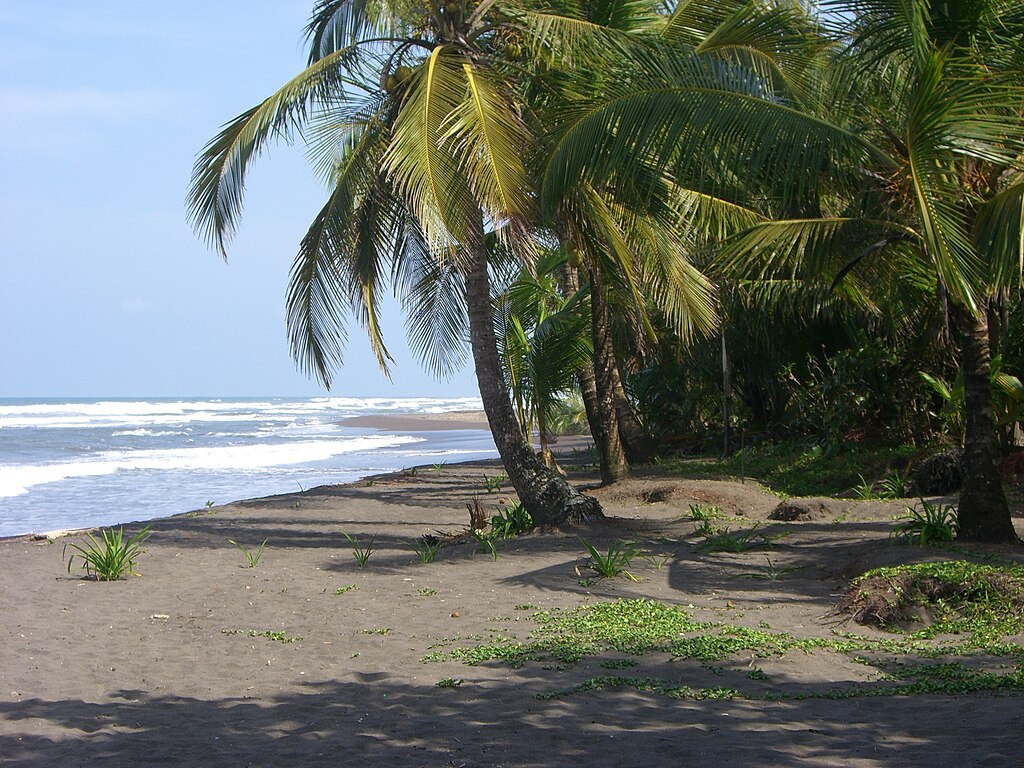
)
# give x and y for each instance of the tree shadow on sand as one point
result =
(501, 723)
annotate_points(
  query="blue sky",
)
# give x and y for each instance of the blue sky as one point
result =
(104, 289)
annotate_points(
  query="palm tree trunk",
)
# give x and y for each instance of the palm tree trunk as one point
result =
(983, 513)
(550, 500)
(614, 466)
(637, 443)
(587, 382)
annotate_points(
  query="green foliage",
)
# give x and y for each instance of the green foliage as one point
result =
(619, 663)
(569, 416)
(360, 551)
(931, 524)
(798, 469)
(494, 483)
(647, 685)
(984, 602)
(426, 548)
(724, 540)
(347, 588)
(277, 637)
(702, 513)
(889, 487)
(615, 562)
(448, 682)
(487, 541)
(511, 521)
(639, 627)
(839, 394)
(110, 557)
(770, 573)
(426, 592)
(253, 558)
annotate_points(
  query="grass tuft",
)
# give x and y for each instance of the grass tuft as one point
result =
(110, 557)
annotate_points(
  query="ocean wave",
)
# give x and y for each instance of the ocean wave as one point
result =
(145, 433)
(139, 414)
(17, 479)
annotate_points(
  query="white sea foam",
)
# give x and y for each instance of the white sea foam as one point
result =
(145, 433)
(150, 413)
(16, 480)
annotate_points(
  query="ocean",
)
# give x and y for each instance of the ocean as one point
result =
(96, 462)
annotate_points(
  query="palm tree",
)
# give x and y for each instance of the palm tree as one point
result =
(413, 116)
(906, 146)
(543, 340)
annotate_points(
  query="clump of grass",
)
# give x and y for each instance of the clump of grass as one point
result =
(487, 541)
(360, 551)
(448, 682)
(724, 540)
(426, 592)
(494, 483)
(343, 590)
(702, 513)
(252, 557)
(770, 573)
(931, 524)
(426, 548)
(110, 557)
(615, 562)
(377, 631)
(511, 521)
(889, 487)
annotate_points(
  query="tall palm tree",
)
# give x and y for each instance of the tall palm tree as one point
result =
(907, 146)
(412, 114)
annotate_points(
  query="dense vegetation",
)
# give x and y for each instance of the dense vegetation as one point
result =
(712, 224)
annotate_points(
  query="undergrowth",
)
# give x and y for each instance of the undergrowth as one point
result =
(795, 469)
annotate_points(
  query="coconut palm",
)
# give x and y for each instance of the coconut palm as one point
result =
(413, 116)
(908, 149)
(543, 340)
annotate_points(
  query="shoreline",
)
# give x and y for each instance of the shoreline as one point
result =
(419, 422)
(141, 462)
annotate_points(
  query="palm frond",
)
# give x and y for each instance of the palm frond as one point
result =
(423, 170)
(218, 178)
(487, 133)
(999, 234)
(436, 320)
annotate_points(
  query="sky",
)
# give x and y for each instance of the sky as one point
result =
(105, 291)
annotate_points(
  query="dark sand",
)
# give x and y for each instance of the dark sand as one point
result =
(159, 669)
(420, 422)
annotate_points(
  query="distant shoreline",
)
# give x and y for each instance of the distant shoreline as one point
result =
(419, 422)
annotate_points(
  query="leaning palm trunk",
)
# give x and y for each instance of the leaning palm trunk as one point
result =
(550, 500)
(983, 513)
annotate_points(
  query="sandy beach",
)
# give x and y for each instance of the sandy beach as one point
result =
(420, 422)
(308, 659)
